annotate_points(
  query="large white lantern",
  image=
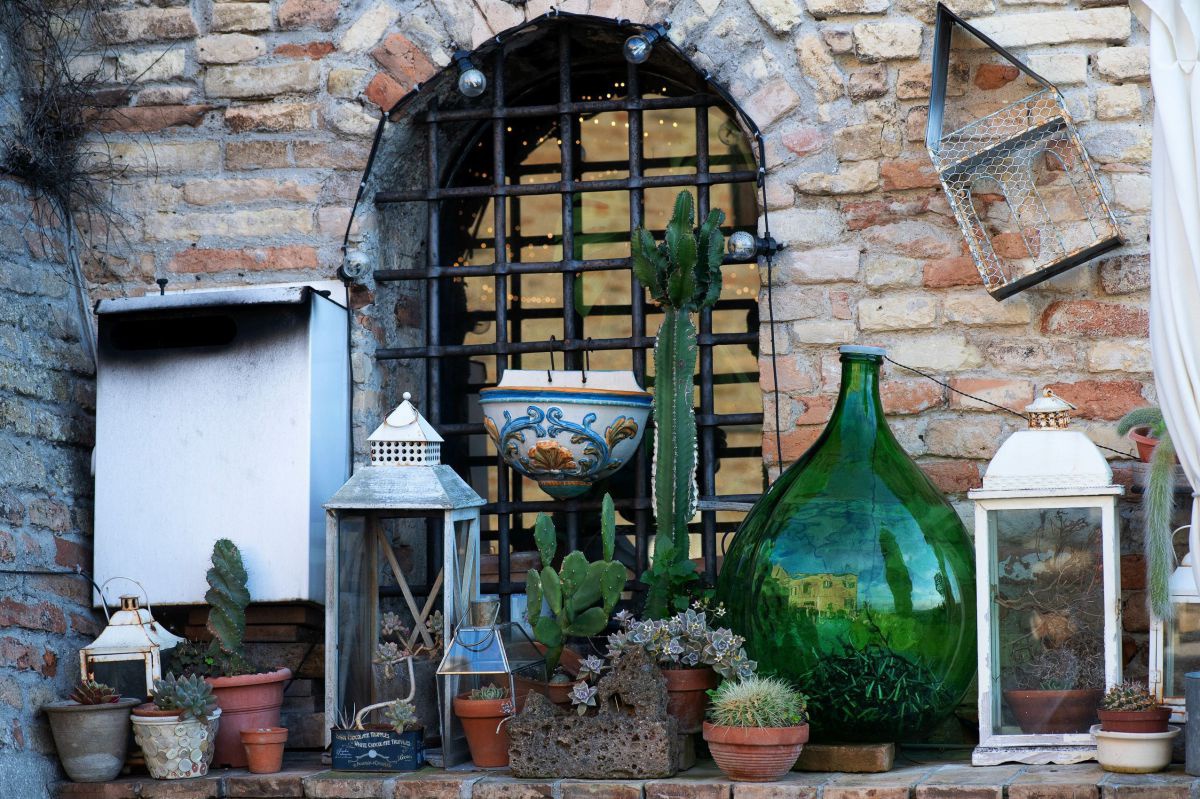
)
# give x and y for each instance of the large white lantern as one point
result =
(405, 480)
(1175, 643)
(1047, 572)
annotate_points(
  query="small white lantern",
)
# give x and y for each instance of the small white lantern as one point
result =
(1175, 644)
(128, 655)
(405, 480)
(1047, 575)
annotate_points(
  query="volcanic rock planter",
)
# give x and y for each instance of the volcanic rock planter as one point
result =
(91, 739)
(755, 754)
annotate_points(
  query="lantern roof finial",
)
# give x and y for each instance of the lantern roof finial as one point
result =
(1049, 412)
(406, 423)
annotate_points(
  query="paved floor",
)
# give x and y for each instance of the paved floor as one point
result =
(305, 778)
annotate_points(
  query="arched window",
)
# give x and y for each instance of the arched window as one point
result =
(529, 195)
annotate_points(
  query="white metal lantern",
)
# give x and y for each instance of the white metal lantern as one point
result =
(128, 654)
(405, 480)
(1175, 643)
(1047, 573)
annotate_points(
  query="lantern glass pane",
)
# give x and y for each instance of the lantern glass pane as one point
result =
(502, 649)
(1182, 648)
(357, 565)
(1047, 615)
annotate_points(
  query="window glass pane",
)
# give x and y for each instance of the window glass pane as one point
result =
(1182, 653)
(1048, 611)
(669, 146)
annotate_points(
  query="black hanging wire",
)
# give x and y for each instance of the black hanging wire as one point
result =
(945, 385)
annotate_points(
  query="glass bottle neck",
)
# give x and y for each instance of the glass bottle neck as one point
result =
(859, 410)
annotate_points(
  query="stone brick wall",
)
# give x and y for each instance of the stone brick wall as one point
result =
(46, 434)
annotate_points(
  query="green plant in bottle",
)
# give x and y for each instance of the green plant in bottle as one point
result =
(853, 577)
(683, 275)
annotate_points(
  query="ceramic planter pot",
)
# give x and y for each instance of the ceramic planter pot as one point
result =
(1140, 436)
(175, 749)
(1135, 720)
(1056, 712)
(91, 739)
(755, 754)
(687, 696)
(486, 736)
(264, 749)
(1134, 753)
(562, 432)
(247, 702)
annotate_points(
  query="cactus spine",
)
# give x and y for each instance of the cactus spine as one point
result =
(581, 595)
(227, 598)
(683, 275)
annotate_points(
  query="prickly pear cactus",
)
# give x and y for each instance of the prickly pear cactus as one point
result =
(683, 275)
(227, 598)
(581, 595)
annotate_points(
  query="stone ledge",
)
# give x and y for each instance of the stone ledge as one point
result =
(305, 778)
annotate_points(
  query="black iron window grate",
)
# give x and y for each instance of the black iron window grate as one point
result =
(494, 193)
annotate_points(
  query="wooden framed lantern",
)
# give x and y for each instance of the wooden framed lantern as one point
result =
(405, 480)
(1175, 642)
(1048, 592)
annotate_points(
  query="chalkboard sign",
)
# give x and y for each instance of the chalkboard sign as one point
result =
(377, 750)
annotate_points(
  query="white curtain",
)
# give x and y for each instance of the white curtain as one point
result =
(1174, 26)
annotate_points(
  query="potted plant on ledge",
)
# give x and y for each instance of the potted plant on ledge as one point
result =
(177, 729)
(756, 728)
(482, 712)
(1133, 736)
(91, 731)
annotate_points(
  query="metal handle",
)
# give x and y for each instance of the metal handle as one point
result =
(104, 601)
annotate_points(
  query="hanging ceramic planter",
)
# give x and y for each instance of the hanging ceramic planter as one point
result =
(566, 430)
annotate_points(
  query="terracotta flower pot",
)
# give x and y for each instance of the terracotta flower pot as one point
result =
(1054, 711)
(686, 695)
(248, 702)
(486, 736)
(755, 754)
(264, 749)
(557, 692)
(1135, 720)
(1144, 442)
(91, 739)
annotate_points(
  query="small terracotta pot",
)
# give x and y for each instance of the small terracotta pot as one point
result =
(1144, 442)
(1135, 720)
(248, 702)
(486, 736)
(687, 696)
(755, 754)
(558, 693)
(1056, 712)
(264, 749)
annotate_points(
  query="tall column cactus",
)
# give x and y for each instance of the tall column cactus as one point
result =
(581, 595)
(683, 275)
(227, 597)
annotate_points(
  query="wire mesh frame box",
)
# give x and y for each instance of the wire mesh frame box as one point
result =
(1000, 154)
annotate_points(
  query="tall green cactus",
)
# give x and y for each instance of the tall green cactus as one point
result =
(581, 595)
(683, 275)
(227, 598)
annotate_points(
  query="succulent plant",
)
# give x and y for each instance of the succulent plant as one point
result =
(90, 692)
(581, 595)
(190, 695)
(683, 275)
(757, 702)
(1128, 696)
(402, 716)
(227, 597)
(491, 691)
(583, 696)
(686, 641)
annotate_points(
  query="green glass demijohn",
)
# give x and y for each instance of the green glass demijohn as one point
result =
(854, 578)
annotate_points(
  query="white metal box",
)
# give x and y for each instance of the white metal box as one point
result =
(221, 414)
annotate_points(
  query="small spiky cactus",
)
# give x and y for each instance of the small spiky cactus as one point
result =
(1128, 696)
(757, 702)
(402, 716)
(683, 275)
(227, 597)
(489, 692)
(190, 695)
(90, 692)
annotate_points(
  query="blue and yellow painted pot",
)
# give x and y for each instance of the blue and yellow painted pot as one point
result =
(563, 431)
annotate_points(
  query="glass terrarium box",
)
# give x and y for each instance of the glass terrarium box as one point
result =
(1047, 566)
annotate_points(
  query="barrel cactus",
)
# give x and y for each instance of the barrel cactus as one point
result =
(683, 275)
(581, 595)
(227, 598)
(1128, 696)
